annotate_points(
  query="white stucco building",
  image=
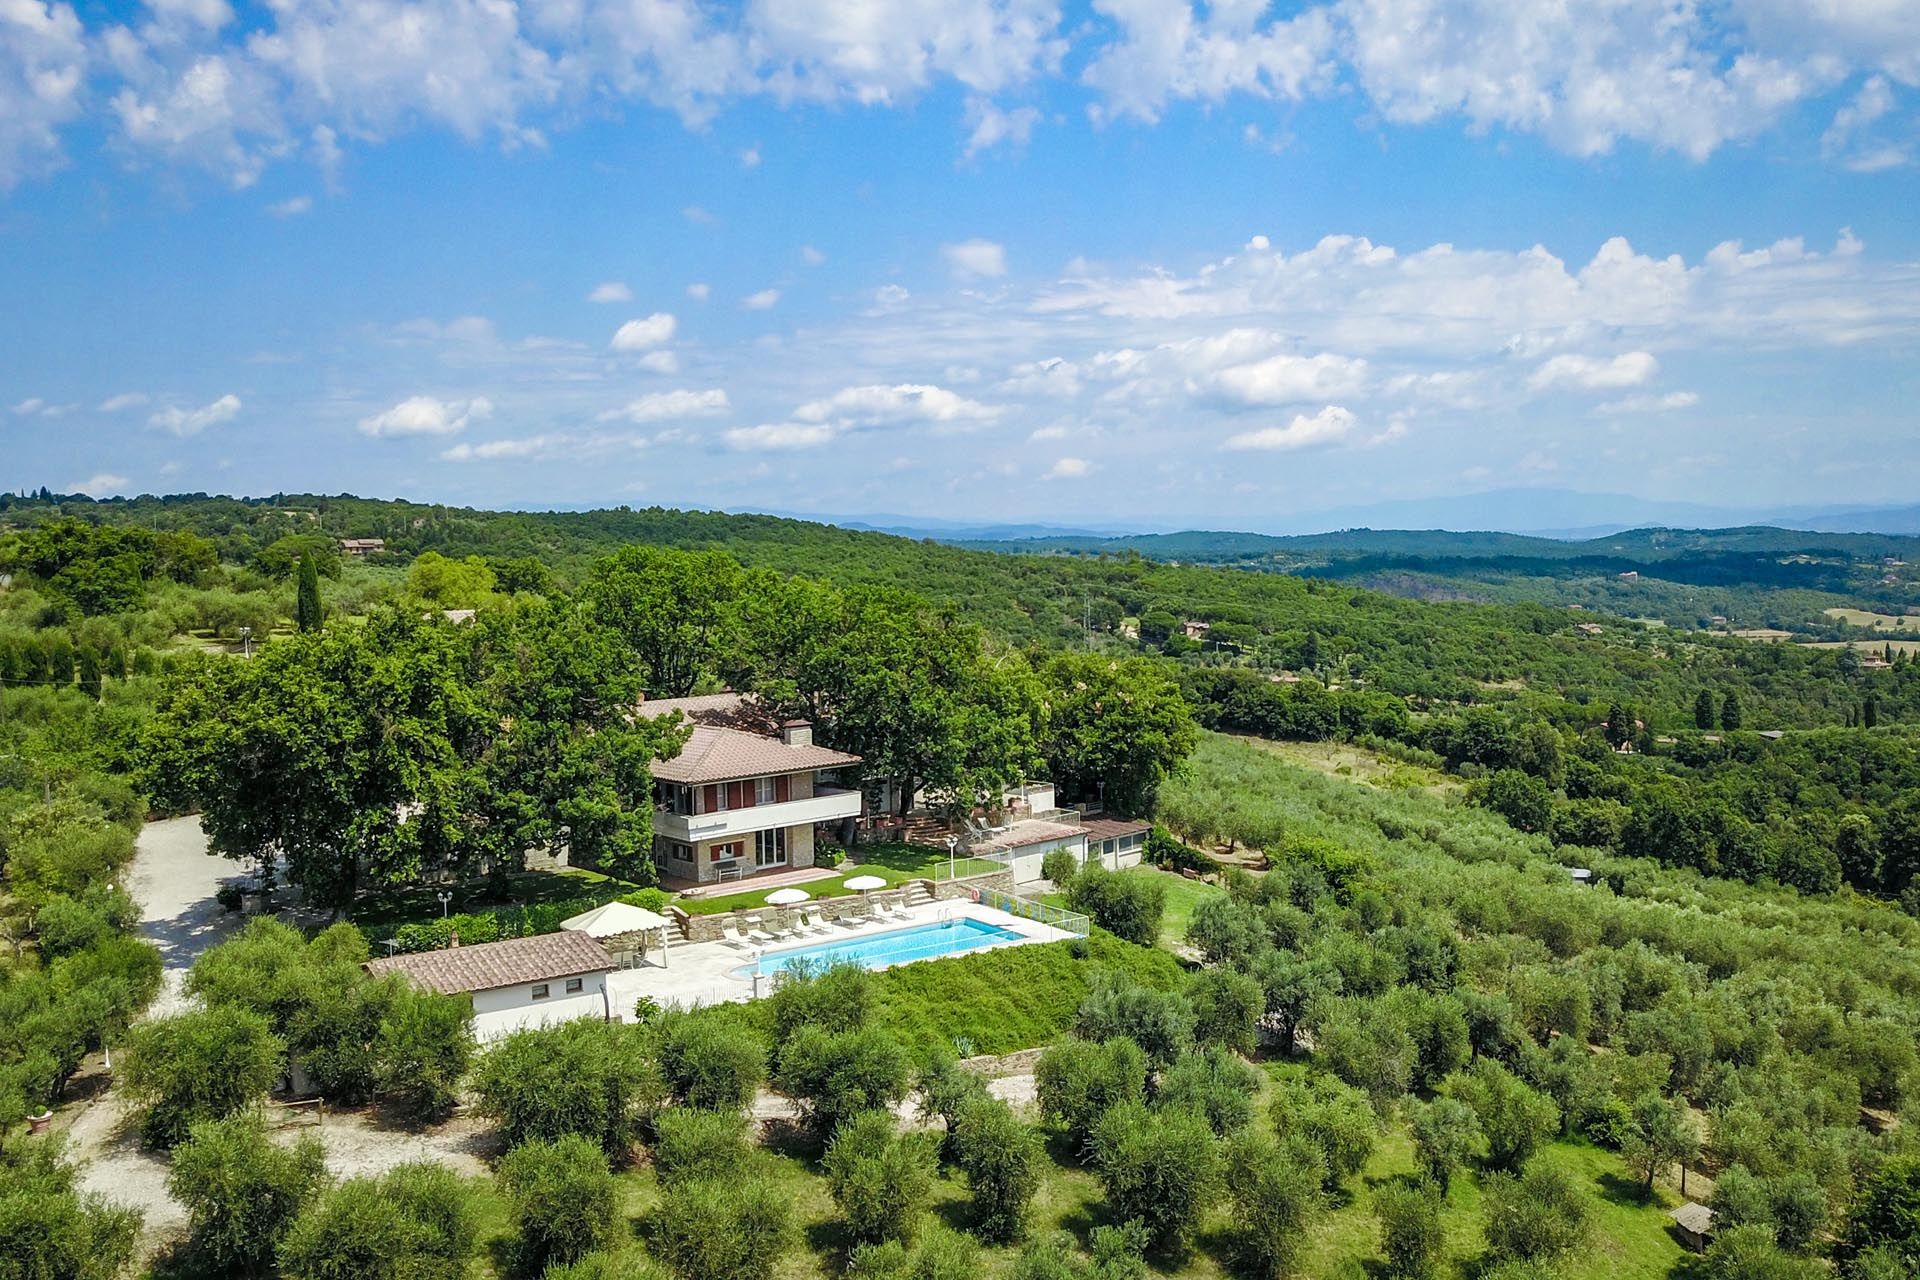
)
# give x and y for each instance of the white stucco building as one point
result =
(518, 982)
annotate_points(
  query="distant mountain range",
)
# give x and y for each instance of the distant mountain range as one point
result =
(1563, 514)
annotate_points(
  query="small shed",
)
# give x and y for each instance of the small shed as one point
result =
(623, 929)
(516, 982)
(1693, 1223)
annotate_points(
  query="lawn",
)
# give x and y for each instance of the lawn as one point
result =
(388, 909)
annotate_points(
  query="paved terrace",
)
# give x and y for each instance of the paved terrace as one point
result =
(704, 972)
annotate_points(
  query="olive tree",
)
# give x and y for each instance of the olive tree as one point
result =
(1160, 1167)
(242, 1191)
(881, 1179)
(1000, 1155)
(563, 1197)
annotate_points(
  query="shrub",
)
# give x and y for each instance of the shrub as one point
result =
(881, 1179)
(229, 897)
(1539, 1215)
(945, 1087)
(64, 925)
(587, 1077)
(1217, 1085)
(603, 1266)
(1160, 1022)
(49, 1229)
(423, 1048)
(698, 1144)
(1079, 1082)
(1000, 1154)
(711, 1064)
(940, 1255)
(1116, 1256)
(654, 900)
(202, 1065)
(834, 999)
(563, 1197)
(1411, 1233)
(731, 1228)
(1887, 1214)
(1227, 1007)
(835, 1076)
(415, 1223)
(1516, 1119)
(1332, 1118)
(242, 1191)
(1127, 906)
(1275, 1190)
(1059, 866)
(1445, 1137)
(1159, 1167)
(1750, 1253)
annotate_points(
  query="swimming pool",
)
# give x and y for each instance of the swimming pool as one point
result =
(897, 946)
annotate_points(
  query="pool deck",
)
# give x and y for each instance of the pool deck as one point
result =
(699, 973)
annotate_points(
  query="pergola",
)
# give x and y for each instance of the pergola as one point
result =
(616, 919)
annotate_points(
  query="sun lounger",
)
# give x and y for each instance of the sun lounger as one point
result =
(755, 933)
(730, 936)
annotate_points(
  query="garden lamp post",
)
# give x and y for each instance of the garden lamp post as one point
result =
(246, 642)
(445, 896)
(952, 841)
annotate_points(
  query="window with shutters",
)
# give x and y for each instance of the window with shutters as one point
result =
(763, 791)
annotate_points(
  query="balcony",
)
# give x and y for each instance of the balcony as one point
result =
(826, 804)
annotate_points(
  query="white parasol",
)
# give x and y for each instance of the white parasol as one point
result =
(787, 897)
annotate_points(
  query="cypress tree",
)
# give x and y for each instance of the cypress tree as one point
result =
(307, 610)
(1703, 717)
(1730, 711)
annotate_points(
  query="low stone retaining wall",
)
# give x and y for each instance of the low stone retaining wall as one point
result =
(706, 928)
(1001, 881)
(1006, 1064)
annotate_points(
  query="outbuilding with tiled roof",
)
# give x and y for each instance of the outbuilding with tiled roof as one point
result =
(514, 983)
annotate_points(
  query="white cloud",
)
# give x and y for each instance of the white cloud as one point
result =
(878, 405)
(1168, 51)
(662, 406)
(31, 405)
(662, 362)
(291, 207)
(1329, 426)
(99, 485)
(125, 400)
(699, 291)
(1596, 373)
(427, 416)
(765, 300)
(611, 291)
(812, 256)
(43, 59)
(1068, 469)
(750, 157)
(780, 435)
(699, 216)
(189, 422)
(494, 450)
(975, 258)
(1667, 403)
(641, 335)
(989, 125)
(1288, 379)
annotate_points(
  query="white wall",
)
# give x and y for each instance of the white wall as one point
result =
(1026, 866)
(506, 1009)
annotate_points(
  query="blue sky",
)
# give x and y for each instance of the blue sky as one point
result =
(979, 259)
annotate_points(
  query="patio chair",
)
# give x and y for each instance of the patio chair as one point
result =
(755, 933)
(781, 926)
(811, 921)
(730, 936)
(895, 907)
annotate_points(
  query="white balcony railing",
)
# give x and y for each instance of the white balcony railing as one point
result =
(825, 805)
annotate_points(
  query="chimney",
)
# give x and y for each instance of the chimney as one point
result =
(453, 939)
(796, 733)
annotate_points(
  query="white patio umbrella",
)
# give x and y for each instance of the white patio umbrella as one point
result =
(787, 897)
(864, 883)
(621, 917)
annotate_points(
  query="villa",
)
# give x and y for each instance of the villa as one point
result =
(745, 795)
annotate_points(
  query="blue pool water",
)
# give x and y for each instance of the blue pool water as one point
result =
(898, 946)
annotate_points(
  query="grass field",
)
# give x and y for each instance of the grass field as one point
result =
(1869, 647)
(1877, 621)
(1183, 895)
(1355, 764)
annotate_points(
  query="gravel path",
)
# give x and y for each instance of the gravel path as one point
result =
(174, 878)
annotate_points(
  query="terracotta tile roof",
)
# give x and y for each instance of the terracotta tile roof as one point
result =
(486, 965)
(1022, 834)
(1108, 828)
(714, 754)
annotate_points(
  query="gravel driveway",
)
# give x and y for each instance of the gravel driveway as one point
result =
(174, 878)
